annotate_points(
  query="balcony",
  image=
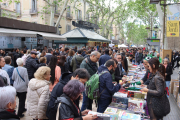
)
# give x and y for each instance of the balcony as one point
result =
(69, 16)
(33, 11)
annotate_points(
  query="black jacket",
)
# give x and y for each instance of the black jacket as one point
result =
(118, 73)
(32, 65)
(67, 109)
(57, 92)
(16, 56)
(169, 72)
(156, 86)
(5, 115)
(48, 57)
(146, 77)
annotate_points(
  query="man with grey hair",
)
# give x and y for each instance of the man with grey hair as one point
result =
(8, 102)
(90, 65)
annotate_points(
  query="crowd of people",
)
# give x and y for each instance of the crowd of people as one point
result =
(52, 81)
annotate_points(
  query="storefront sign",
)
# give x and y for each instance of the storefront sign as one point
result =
(154, 40)
(172, 28)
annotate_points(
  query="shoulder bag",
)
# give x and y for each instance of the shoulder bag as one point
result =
(19, 74)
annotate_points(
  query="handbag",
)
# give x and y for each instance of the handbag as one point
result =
(20, 75)
(160, 105)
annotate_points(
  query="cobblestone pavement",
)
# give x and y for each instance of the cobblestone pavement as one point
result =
(174, 114)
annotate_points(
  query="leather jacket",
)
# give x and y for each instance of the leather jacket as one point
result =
(156, 86)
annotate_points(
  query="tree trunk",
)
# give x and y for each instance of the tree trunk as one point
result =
(61, 13)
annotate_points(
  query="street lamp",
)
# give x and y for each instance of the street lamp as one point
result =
(154, 1)
(156, 29)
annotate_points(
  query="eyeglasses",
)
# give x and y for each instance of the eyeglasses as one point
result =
(97, 57)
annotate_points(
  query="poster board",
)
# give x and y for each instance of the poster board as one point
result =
(163, 54)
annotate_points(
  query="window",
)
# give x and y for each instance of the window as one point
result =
(87, 17)
(68, 28)
(79, 15)
(33, 5)
(69, 9)
(18, 7)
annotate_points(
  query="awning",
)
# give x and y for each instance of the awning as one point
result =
(86, 34)
(25, 33)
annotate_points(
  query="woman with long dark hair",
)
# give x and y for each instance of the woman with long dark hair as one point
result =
(69, 59)
(62, 65)
(55, 72)
(157, 101)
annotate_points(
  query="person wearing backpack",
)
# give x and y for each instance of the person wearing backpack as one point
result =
(81, 74)
(3, 73)
(21, 80)
(106, 87)
(91, 66)
(77, 60)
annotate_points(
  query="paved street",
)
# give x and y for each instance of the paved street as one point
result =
(174, 114)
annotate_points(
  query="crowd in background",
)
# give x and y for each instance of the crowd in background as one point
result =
(43, 77)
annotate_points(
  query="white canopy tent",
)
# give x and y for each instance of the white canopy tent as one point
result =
(133, 46)
(122, 45)
(111, 45)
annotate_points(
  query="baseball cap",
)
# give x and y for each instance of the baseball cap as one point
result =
(34, 52)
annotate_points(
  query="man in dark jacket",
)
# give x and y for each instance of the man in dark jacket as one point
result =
(16, 56)
(57, 91)
(104, 58)
(76, 60)
(84, 52)
(138, 57)
(49, 55)
(32, 65)
(119, 72)
(106, 87)
(91, 66)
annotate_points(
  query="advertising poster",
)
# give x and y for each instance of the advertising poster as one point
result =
(172, 29)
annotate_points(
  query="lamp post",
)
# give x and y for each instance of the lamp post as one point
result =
(156, 29)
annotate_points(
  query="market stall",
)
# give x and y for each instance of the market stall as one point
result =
(83, 37)
(129, 102)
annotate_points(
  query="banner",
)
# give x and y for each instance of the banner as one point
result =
(173, 12)
(172, 28)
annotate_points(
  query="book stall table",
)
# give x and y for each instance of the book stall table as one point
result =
(127, 104)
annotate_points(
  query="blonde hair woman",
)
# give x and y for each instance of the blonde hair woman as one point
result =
(38, 93)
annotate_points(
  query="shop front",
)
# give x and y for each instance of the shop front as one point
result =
(18, 34)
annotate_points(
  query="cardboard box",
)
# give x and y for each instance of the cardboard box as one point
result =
(172, 85)
(175, 92)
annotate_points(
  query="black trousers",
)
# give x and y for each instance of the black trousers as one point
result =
(22, 99)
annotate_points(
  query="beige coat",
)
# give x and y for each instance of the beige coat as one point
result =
(37, 98)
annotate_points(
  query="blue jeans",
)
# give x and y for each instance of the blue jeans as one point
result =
(87, 103)
(103, 104)
(167, 84)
